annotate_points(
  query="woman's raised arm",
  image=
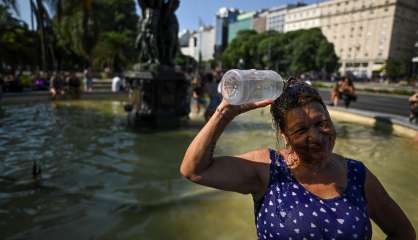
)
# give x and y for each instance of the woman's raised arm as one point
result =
(238, 173)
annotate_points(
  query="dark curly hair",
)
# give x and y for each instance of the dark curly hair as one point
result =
(295, 94)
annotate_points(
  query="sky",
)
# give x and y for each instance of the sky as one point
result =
(191, 11)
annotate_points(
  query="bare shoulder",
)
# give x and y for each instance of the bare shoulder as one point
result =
(261, 155)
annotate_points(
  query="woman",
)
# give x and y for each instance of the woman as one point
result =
(303, 191)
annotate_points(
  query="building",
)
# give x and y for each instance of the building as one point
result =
(275, 19)
(365, 33)
(260, 21)
(184, 37)
(224, 17)
(201, 45)
(368, 33)
(304, 17)
(244, 22)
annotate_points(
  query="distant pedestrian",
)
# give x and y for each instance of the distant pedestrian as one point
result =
(348, 92)
(413, 104)
(116, 83)
(88, 80)
(215, 97)
(56, 85)
(197, 93)
(74, 85)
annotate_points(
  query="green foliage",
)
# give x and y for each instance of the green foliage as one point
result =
(397, 68)
(112, 50)
(293, 52)
(185, 62)
(110, 37)
(26, 81)
(16, 41)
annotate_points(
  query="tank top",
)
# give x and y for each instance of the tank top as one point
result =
(289, 211)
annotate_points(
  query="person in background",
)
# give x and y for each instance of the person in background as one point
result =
(335, 93)
(197, 93)
(116, 83)
(413, 104)
(74, 85)
(88, 80)
(348, 92)
(56, 85)
(215, 97)
(343, 89)
(301, 191)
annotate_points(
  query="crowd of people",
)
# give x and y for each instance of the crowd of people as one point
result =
(63, 83)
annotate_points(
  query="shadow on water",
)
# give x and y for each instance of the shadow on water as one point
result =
(383, 126)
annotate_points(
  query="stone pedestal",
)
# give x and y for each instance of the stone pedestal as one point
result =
(159, 99)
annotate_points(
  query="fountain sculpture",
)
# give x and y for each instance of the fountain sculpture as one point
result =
(159, 94)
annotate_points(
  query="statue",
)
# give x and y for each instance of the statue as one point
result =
(158, 27)
(158, 94)
(170, 26)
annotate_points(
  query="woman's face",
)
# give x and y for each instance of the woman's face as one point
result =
(310, 132)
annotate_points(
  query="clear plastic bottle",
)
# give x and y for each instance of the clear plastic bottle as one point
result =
(245, 86)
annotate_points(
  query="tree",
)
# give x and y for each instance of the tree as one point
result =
(396, 68)
(86, 29)
(240, 48)
(111, 51)
(289, 53)
(16, 41)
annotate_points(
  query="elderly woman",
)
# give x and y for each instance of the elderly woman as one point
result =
(304, 191)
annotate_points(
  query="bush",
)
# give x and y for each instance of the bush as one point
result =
(26, 81)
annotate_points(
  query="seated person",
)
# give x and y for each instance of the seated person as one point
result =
(413, 103)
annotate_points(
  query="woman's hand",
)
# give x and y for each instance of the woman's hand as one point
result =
(229, 111)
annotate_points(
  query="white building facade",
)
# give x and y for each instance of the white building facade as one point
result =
(276, 18)
(305, 17)
(201, 44)
(365, 33)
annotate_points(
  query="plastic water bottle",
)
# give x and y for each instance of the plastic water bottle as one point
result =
(245, 86)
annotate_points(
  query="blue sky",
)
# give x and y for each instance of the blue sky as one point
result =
(191, 10)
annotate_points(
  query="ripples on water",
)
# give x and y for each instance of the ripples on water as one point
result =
(102, 180)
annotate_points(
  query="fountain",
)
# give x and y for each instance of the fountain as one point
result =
(158, 94)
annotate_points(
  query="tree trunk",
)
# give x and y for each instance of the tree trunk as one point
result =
(41, 30)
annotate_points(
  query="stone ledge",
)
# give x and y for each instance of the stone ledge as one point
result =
(398, 124)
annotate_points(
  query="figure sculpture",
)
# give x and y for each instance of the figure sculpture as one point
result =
(157, 40)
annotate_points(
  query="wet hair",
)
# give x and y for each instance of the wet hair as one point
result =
(295, 94)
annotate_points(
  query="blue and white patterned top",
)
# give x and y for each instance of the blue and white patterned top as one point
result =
(289, 211)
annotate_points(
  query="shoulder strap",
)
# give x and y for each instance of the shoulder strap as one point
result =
(277, 167)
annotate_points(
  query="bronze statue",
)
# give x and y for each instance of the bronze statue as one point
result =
(158, 27)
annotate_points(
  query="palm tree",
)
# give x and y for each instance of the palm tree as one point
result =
(69, 8)
(10, 4)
